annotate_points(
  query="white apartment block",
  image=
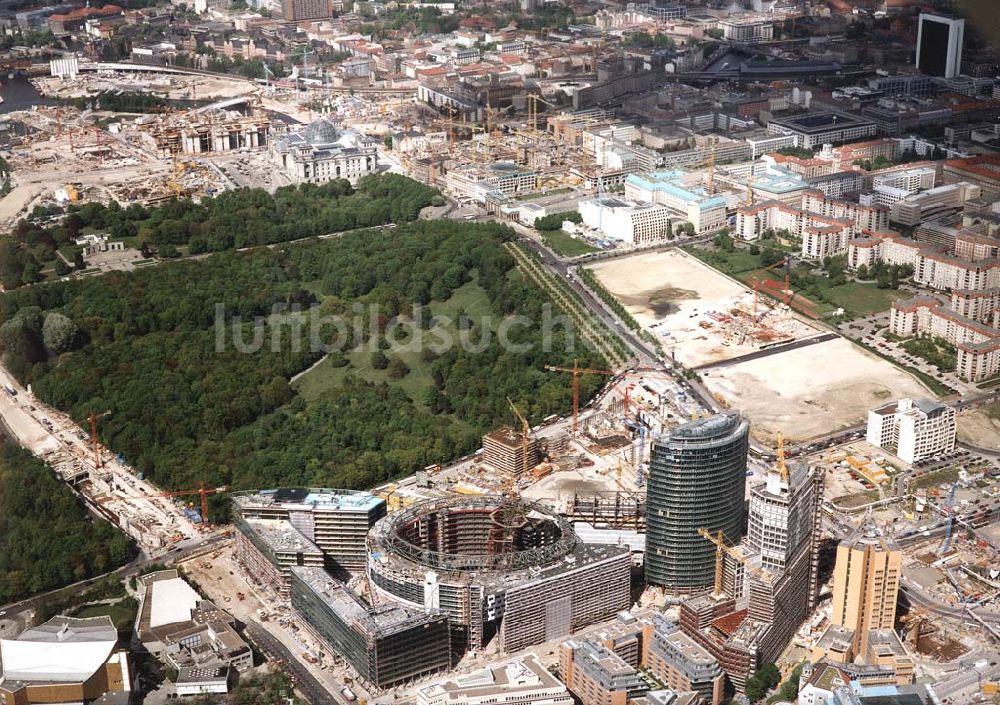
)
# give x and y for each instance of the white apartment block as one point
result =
(932, 266)
(635, 225)
(913, 429)
(911, 180)
(865, 218)
(977, 343)
(826, 226)
(473, 183)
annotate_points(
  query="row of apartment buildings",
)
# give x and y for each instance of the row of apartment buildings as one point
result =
(604, 670)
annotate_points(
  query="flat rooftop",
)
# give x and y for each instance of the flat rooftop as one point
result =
(817, 123)
(525, 675)
(381, 620)
(670, 182)
(281, 536)
(317, 498)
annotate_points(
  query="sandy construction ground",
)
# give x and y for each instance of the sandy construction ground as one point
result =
(812, 390)
(979, 428)
(685, 303)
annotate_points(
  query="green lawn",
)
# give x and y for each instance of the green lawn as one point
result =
(862, 299)
(121, 613)
(732, 263)
(934, 350)
(856, 298)
(932, 479)
(564, 244)
(326, 376)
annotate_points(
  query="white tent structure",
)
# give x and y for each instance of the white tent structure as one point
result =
(64, 649)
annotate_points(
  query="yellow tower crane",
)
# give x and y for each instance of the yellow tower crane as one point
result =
(781, 465)
(533, 101)
(720, 548)
(711, 172)
(525, 441)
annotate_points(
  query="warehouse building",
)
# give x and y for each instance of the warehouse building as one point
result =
(386, 644)
(335, 521)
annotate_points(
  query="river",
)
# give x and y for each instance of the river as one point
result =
(19, 94)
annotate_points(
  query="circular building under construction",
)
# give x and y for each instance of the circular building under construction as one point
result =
(498, 567)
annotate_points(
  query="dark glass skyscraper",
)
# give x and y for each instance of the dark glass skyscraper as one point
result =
(697, 479)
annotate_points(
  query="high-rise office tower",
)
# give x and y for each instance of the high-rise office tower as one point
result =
(769, 581)
(866, 582)
(697, 481)
(783, 539)
(297, 10)
(939, 45)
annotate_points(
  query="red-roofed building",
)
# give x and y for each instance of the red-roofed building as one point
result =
(983, 170)
(76, 19)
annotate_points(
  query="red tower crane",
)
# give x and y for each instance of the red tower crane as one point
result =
(203, 490)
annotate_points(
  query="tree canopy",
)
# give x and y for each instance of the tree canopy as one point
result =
(186, 407)
(232, 220)
(48, 538)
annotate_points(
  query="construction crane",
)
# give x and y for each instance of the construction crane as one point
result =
(533, 101)
(781, 465)
(305, 63)
(721, 547)
(203, 490)
(710, 188)
(525, 442)
(98, 463)
(949, 526)
(719, 541)
(576, 371)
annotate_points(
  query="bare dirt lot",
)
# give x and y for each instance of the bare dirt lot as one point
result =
(701, 314)
(980, 427)
(812, 390)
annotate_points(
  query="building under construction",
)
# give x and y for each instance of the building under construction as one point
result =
(506, 449)
(617, 510)
(212, 131)
(499, 568)
(335, 521)
(386, 644)
(766, 586)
